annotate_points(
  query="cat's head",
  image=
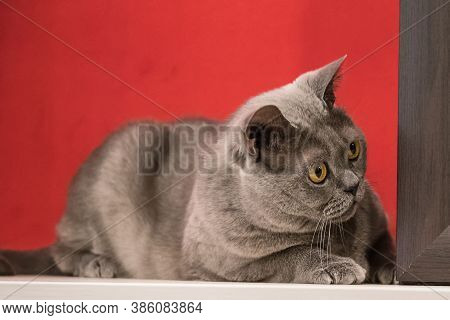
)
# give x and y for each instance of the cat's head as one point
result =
(299, 154)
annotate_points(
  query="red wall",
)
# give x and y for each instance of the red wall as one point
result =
(193, 58)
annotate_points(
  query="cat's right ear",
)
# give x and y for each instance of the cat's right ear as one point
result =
(265, 129)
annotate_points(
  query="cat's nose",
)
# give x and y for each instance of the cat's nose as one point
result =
(350, 182)
(353, 189)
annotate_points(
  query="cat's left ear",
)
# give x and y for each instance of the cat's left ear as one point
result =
(323, 81)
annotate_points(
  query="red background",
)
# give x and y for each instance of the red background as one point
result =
(193, 58)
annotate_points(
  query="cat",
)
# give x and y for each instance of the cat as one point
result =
(275, 194)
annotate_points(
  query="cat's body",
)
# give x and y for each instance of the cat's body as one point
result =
(237, 219)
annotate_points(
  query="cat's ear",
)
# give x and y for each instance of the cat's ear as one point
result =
(323, 81)
(265, 129)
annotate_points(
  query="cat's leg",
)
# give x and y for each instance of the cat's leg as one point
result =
(299, 265)
(382, 260)
(315, 266)
(83, 263)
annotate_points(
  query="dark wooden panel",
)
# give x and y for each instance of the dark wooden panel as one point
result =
(423, 237)
(433, 264)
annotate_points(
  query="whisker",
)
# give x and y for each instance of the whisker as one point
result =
(341, 232)
(325, 242)
(321, 240)
(312, 240)
(329, 241)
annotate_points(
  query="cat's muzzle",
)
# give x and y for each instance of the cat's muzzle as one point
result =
(339, 206)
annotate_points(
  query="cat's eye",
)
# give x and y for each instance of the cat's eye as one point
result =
(317, 173)
(354, 149)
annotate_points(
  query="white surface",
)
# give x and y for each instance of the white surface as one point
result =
(20, 287)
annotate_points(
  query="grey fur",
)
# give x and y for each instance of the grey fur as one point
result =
(241, 220)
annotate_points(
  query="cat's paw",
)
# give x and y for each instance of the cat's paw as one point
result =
(341, 271)
(97, 267)
(385, 274)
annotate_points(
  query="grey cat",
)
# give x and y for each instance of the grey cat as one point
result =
(280, 197)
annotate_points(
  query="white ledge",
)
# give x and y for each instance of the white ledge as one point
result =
(45, 287)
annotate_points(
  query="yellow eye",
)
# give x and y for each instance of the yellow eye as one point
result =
(317, 173)
(354, 149)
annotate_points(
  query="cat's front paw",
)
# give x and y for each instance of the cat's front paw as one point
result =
(340, 271)
(385, 274)
(96, 267)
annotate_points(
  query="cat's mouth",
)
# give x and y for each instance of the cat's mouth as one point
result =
(340, 208)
